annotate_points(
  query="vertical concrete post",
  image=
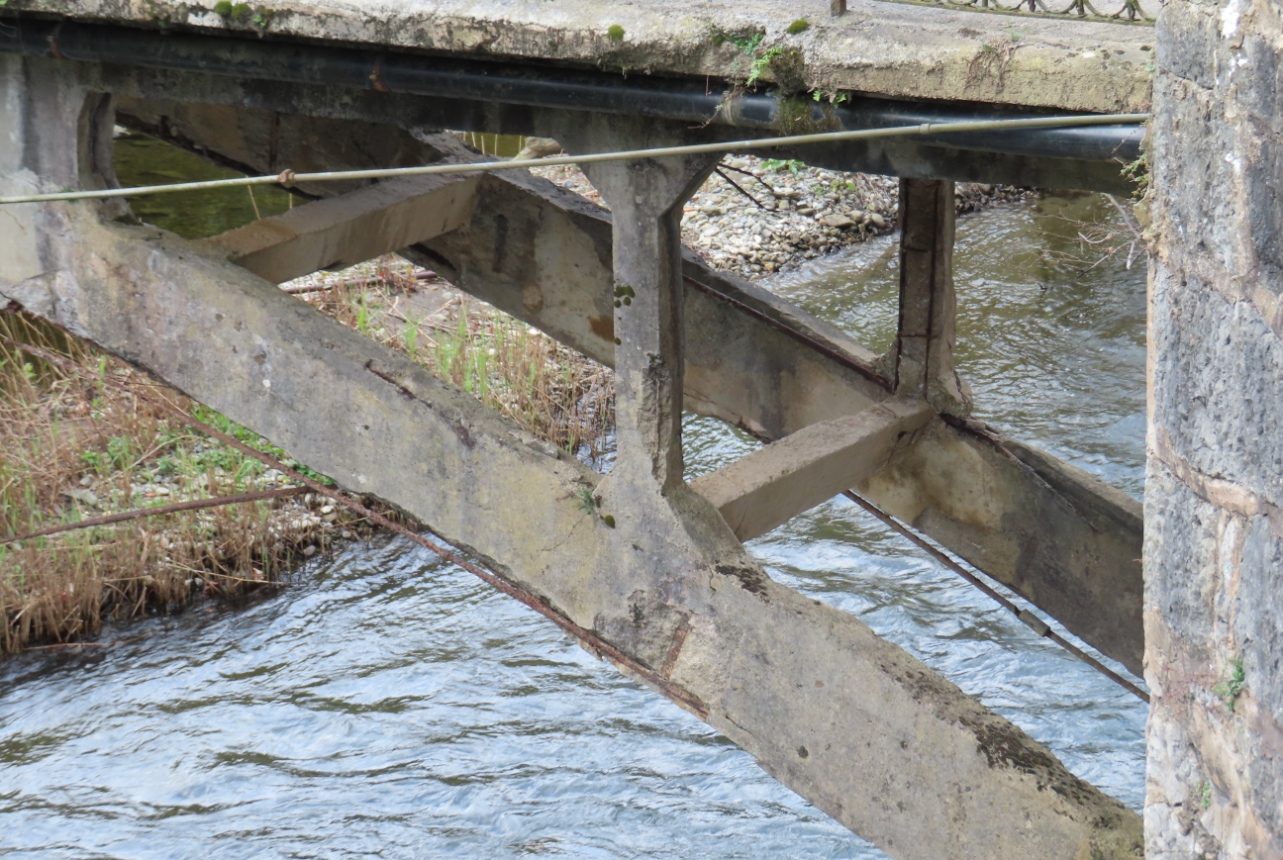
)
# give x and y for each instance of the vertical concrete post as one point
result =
(645, 198)
(1214, 488)
(921, 359)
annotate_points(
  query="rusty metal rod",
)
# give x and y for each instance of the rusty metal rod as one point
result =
(159, 511)
(1033, 622)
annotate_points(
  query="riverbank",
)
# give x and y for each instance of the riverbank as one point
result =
(85, 439)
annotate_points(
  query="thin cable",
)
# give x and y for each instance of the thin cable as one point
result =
(289, 177)
(1033, 622)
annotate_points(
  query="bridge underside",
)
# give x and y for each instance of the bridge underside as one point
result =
(850, 722)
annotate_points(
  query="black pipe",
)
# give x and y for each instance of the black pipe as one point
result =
(535, 85)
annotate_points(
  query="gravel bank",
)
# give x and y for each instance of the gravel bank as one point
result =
(758, 216)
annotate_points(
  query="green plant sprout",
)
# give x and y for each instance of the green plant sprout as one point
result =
(779, 165)
(1232, 687)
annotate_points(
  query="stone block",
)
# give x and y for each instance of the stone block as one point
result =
(1216, 382)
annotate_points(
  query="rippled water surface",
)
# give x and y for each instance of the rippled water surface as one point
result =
(387, 705)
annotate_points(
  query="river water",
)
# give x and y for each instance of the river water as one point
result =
(385, 704)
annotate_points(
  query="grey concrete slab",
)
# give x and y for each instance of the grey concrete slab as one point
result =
(889, 49)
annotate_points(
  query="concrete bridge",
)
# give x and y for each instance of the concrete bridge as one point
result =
(851, 722)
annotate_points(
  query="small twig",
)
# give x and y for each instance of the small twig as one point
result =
(258, 215)
(359, 282)
(769, 187)
(207, 574)
(58, 645)
(55, 646)
(736, 186)
(160, 510)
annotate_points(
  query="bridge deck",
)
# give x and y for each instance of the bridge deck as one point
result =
(880, 48)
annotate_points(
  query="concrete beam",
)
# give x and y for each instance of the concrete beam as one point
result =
(1055, 534)
(1052, 532)
(911, 157)
(776, 483)
(336, 106)
(646, 198)
(351, 228)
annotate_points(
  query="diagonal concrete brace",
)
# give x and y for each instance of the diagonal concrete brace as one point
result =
(854, 724)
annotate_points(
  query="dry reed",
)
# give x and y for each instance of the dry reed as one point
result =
(61, 429)
(549, 390)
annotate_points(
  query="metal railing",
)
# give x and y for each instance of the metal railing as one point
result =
(1131, 11)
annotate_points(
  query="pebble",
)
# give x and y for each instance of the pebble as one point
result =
(85, 497)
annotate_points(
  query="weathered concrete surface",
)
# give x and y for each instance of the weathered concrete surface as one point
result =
(878, 48)
(920, 360)
(351, 228)
(776, 483)
(1050, 531)
(853, 723)
(1214, 492)
(1055, 534)
(646, 198)
(901, 156)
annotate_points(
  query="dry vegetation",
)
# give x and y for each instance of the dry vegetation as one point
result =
(83, 438)
(547, 389)
(75, 443)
